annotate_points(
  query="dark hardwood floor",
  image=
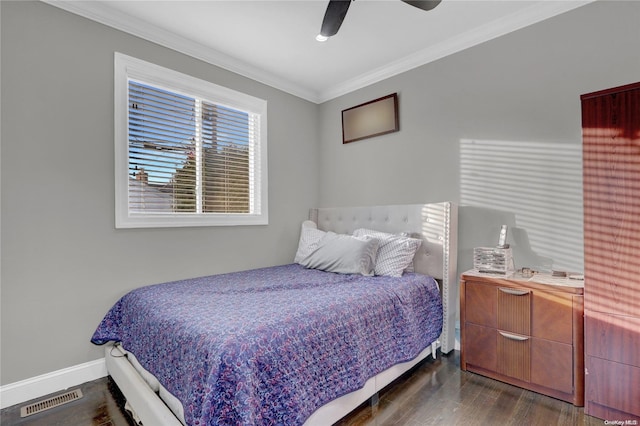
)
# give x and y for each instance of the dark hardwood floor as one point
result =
(439, 393)
(102, 404)
(434, 393)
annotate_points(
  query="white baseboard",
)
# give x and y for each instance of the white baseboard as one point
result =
(36, 387)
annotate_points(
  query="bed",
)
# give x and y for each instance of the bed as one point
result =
(297, 345)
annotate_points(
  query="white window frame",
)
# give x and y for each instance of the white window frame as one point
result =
(129, 68)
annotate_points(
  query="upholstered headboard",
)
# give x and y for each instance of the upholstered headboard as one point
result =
(436, 224)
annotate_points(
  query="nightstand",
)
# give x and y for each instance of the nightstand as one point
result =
(528, 332)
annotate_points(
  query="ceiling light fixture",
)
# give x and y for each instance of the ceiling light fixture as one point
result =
(321, 38)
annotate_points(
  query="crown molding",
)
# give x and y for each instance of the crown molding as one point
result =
(97, 12)
(523, 18)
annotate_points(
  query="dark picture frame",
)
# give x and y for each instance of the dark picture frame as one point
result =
(373, 118)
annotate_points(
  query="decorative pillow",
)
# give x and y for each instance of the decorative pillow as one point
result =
(310, 235)
(344, 254)
(395, 253)
(408, 235)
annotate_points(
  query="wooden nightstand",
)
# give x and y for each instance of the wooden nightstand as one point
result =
(528, 332)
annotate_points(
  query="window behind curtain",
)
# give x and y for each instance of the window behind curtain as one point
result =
(190, 159)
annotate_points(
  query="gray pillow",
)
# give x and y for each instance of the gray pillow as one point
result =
(343, 254)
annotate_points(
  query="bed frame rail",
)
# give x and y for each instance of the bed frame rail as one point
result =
(146, 404)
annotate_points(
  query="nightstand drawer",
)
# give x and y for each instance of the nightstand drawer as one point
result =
(514, 310)
(482, 344)
(485, 300)
(523, 333)
(514, 355)
(552, 365)
(553, 313)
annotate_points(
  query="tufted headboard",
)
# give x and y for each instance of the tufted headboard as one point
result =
(436, 224)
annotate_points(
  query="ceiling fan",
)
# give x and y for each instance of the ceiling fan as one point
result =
(337, 10)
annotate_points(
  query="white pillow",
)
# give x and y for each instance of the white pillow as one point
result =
(310, 235)
(344, 254)
(395, 253)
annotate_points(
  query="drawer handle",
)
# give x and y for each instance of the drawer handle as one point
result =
(513, 336)
(513, 291)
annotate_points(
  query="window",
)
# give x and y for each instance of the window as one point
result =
(188, 152)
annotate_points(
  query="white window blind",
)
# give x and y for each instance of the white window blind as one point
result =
(191, 159)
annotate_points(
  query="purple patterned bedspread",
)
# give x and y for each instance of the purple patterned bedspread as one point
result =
(271, 345)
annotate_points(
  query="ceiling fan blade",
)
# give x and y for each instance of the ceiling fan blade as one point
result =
(333, 17)
(423, 4)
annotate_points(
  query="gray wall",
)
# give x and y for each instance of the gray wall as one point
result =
(521, 90)
(63, 262)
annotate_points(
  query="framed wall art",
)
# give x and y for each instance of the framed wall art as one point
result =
(373, 118)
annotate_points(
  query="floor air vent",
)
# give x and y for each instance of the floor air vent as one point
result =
(49, 403)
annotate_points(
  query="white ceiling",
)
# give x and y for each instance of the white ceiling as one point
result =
(274, 41)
